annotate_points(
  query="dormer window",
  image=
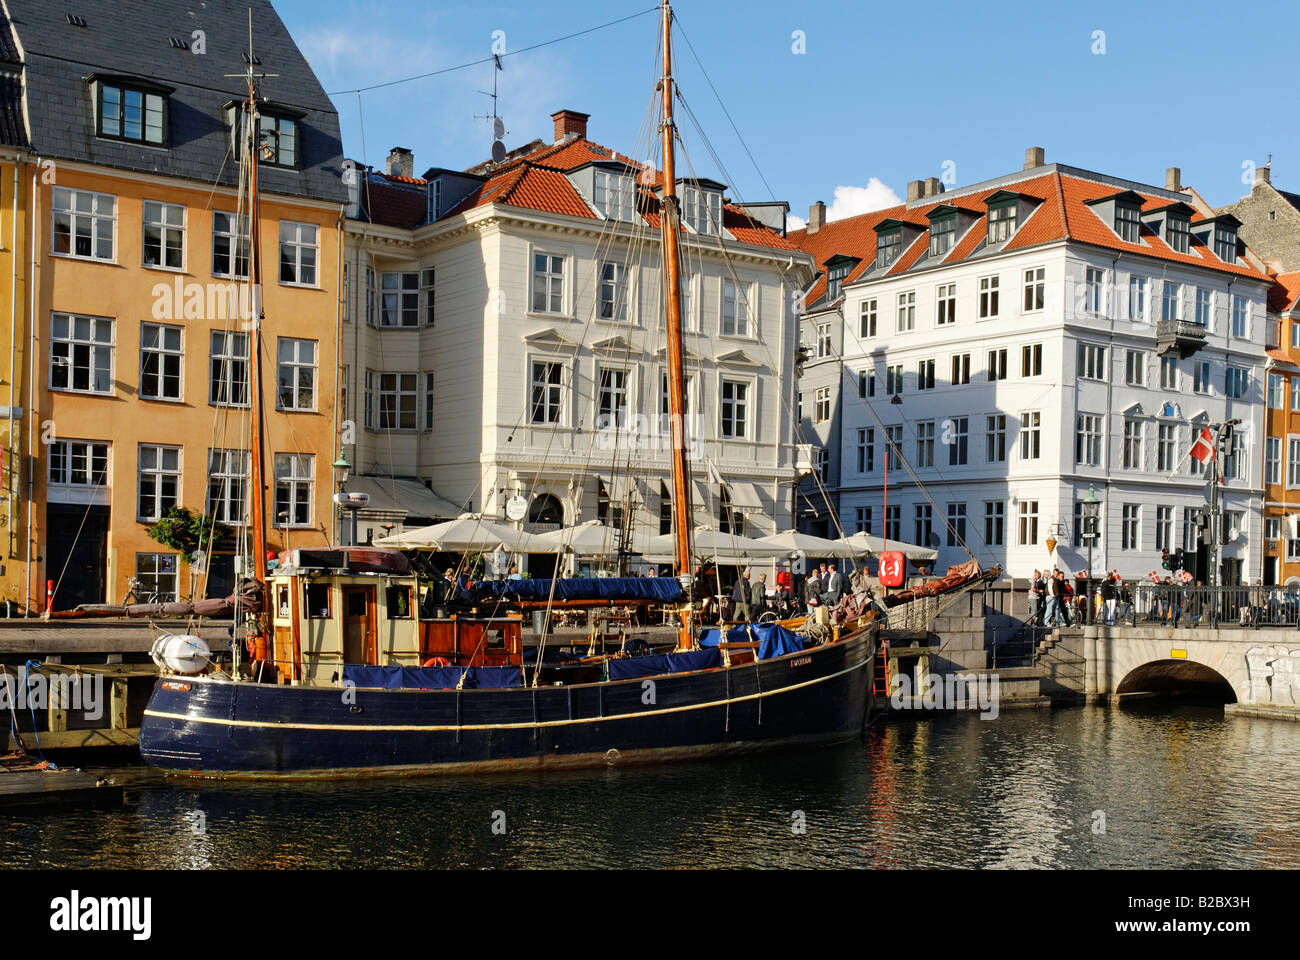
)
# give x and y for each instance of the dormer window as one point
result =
(835, 276)
(1128, 222)
(435, 198)
(135, 114)
(943, 234)
(612, 195)
(1225, 243)
(889, 246)
(278, 135)
(702, 210)
(1002, 223)
(1177, 233)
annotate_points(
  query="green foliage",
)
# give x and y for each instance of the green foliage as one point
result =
(188, 534)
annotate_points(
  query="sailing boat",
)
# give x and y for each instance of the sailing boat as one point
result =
(348, 678)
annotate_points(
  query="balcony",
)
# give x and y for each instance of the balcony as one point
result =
(1180, 335)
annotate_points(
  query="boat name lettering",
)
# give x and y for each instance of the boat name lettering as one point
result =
(173, 685)
(800, 662)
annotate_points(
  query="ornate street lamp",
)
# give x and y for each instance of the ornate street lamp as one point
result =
(342, 470)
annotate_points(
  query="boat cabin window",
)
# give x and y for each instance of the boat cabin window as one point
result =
(318, 601)
(399, 603)
(282, 600)
(494, 639)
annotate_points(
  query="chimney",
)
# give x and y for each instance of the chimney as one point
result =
(816, 217)
(1173, 179)
(1263, 174)
(1034, 157)
(914, 190)
(569, 123)
(933, 187)
(401, 162)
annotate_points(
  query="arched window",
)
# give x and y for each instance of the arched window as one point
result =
(546, 509)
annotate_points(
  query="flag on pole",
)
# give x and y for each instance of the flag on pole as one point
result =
(1203, 448)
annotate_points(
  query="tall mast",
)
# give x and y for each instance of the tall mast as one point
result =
(672, 274)
(257, 518)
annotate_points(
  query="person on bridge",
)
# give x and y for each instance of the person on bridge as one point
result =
(1109, 597)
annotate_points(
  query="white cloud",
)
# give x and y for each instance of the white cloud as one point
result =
(851, 201)
(795, 223)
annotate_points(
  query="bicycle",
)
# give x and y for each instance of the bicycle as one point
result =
(134, 590)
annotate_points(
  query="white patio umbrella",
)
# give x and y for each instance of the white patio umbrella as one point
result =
(468, 533)
(866, 544)
(792, 541)
(723, 547)
(590, 539)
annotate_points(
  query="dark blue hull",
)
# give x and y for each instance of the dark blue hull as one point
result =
(216, 728)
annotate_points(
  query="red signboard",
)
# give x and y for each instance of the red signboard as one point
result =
(892, 565)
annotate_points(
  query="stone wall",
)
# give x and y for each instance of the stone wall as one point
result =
(1276, 240)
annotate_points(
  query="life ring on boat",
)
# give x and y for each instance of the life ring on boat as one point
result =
(437, 662)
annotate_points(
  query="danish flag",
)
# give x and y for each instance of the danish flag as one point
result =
(1203, 448)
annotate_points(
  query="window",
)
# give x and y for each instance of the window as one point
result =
(345, 374)
(1204, 306)
(1093, 281)
(159, 480)
(613, 195)
(988, 297)
(1137, 299)
(548, 283)
(1273, 460)
(126, 114)
(426, 295)
(924, 524)
(1128, 222)
(228, 379)
(159, 575)
(888, 247)
(956, 524)
(611, 399)
(297, 374)
(1236, 382)
(1201, 377)
(866, 383)
(227, 485)
(925, 375)
(960, 368)
(1135, 368)
(230, 245)
(893, 446)
(906, 311)
(164, 235)
(835, 280)
(943, 233)
(957, 439)
(298, 253)
(1092, 362)
(823, 407)
(1225, 244)
(1295, 393)
(1169, 373)
(702, 210)
(1132, 450)
(1035, 289)
(894, 380)
(1171, 302)
(995, 438)
(279, 141)
(735, 308)
(998, 364)
(1164, 528)
(78, 463)
(1087, 440)
(946, 298)
(397, 400)
(824, 340)
(160, 361)
(293, 489)
(1241, 317)
(894, 522)
(862, 520)
(613, 291)
(994, 522)
(1031, 423)
(85, 224)
(689, 319)
(1131, 527)
(81, 354)
(1031, 360)
(1028, 522)
(399, 301)
(1166, 437)
(1293, 462)
(1002, 223)
(1276, 391)
(1191, 535)
(1177, 233)
(370, 297)
(1272, 528)
(823, 464)
(867, 450)
(428, 401)
(735, 409)
(867, 319)
(547, 387)
(925, 443)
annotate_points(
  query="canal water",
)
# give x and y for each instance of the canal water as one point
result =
(1147, 786)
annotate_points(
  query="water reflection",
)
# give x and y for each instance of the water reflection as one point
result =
(1178, 787)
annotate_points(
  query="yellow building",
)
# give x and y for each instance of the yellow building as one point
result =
(1282, 434)
(15, 177)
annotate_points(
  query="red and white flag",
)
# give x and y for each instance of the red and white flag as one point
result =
(1203, 448)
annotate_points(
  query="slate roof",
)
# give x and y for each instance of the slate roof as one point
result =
(131, 38)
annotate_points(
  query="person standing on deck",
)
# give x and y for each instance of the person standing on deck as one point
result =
(834, 586)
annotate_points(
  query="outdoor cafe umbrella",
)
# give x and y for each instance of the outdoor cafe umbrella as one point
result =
(727, 548)
(468, 533)
(792, 541)
(590, 539)
(866, 544)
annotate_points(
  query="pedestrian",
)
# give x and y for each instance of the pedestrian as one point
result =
(1053, 616)
(1109, 599)
(1036, 589)
(823, 578)
(812, 590)
(740, 596)
(758, 596)
(834, 586)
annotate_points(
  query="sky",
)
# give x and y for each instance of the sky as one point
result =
(842, 102)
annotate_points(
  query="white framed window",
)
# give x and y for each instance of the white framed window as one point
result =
(611, 398)
(1295, 394)
(924, 524)
(1031, 360)
(1204, 306)
(78, 463)
(734, 409)
(130, 114)
(925, 443)
(998, 364)
(159, 575)
(1094, 280)
(427, 298)
(956, 528)
(1087, 440)
(1091, 362)
(85, 224)
(1236, 382)
(1028, 522)
(164, 235)
(1132, 446)
(399, 299)
(1135, 368)
(612, 291)
(1164, 528)
(81, 354)
(1131, 527)
(1035, 289)
(1241, 317)
(1201, 377)
(893, 446)
(1171, 302)
(894, 380)
(1031, 440)
(296, 374)
(702, 210)
(866, 450)
(428, 402)
(1137, 299)
(995, 521)
(737, 308)
(1273, 460)
(866, 384)
(988, 297)
(824, 348)
(1292, 463)
(893, 522)
(943, 233)
(960, 369)
(1225, 243)
(1191, 535)
(161, 360)
(822, 410)
(889, 247)
(1177, 233)
(925, 374)
(546, 396)
(397, 397)
(867, 319)
(907, 311)
(957, 439)
(371, 297)
(159, 481)
(230, 245)
(279, 138)
(1128, 222)
(995, 438)
(1002, 223)
(1166, 438)
(298, 253)
(862, 519)
(1168, 373)
(294, 489)
(228, 485)
(228, 369)
(612, 195)
(1272, 528)
(1276, 391)
(946, 304)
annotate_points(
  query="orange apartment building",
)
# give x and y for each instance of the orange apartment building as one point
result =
(1282, 434)
(137, 365)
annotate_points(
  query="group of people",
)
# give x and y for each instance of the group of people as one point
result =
(824, 586)
(1054, 602)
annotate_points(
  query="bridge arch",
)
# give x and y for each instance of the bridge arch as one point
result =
(1183, 678)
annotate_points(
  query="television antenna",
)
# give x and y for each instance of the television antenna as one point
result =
(498, 125)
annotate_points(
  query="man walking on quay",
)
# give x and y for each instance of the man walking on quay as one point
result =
(740, 594)
(1109, 597)
(758, 596)
(1053, 614)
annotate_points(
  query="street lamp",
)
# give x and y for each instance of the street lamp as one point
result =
(1091, 506)
(342, 470)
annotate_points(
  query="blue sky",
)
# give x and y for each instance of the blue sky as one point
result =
(883, 94)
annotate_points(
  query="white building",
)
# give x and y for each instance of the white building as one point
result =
(1026, 339)
(504, 338)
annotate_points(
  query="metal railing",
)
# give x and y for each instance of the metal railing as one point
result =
(1150, 604)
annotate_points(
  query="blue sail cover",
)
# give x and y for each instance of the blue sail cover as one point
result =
(433, 678)
(613, 589)
(773, 639)
(630, 667)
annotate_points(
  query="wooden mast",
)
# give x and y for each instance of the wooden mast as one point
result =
(257, 517)
(673, 295)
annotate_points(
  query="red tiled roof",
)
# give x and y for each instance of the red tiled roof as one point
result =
(1279, 355)
(1284, 293)
(391, 205)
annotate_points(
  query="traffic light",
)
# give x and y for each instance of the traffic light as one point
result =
(1164, 559)
(1178, 560)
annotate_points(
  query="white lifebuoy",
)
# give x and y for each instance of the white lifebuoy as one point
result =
(182, 654)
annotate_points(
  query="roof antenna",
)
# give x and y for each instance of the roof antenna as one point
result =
(498, 125)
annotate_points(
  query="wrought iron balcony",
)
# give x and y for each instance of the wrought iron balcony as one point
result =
(1180, 335)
